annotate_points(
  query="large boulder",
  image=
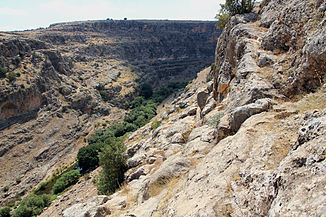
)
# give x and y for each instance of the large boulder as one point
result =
(240, 114)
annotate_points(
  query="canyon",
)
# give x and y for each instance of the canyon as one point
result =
(70, 76)
(246, 136)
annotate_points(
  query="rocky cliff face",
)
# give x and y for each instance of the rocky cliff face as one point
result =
(70, 76)
(248, 143)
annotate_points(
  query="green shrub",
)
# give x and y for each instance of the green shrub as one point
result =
(65, 181)
(18, 180)
(222, 18)
(5, 189)
(138, 101)
(114, 166)
(11, 76)
(209, 78)
(142, 111)
(5, 212)
(212, 66)
(3, 72)
(17, 74)
(32, 205)
(234, 7)
(155, 124)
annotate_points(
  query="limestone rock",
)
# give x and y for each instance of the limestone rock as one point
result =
(93, 208)
(265, 60)
(188, 112)
(240, 114)
(210, 105)
(201, 99)
(247, 65)
(172, 167)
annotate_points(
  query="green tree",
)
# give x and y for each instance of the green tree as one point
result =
(231, 8)
(88, 156)
(114, 166)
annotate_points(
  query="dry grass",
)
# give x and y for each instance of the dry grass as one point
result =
(223, 209)
(312, 101)
(164, 202)
(162, 183)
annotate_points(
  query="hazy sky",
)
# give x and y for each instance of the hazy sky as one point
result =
(30, 14)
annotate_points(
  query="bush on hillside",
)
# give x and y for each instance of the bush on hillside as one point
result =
(65, 181)
(32, 205)
(142, 111)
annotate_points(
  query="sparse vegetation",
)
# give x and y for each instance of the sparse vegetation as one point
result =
(311, 102)
(32, 205)
(16, 60)
(212, 66)
(209, 78)
(222, 18)
(215, 119)
(114, 166)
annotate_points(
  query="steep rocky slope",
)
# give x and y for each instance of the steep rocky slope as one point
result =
(72, 75)
(249, 143)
